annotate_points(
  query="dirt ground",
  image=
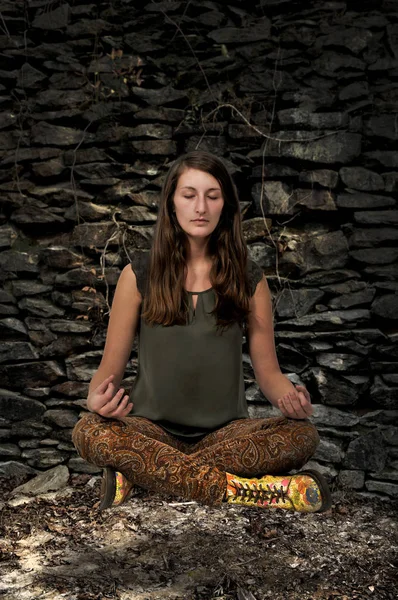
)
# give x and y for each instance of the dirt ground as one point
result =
(159, 548)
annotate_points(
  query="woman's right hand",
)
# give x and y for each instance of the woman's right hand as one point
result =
(106, 403)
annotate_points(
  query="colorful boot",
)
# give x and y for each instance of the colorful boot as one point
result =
(115, 488)
(307, 491)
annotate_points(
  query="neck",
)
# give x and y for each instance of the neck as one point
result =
(197, 252)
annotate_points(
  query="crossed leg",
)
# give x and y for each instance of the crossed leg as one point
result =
(153, 459)
(250, 447)
(148, 457)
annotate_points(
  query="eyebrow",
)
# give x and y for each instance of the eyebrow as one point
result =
(189, 187)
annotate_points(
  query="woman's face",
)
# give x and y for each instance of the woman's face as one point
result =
(198, 196)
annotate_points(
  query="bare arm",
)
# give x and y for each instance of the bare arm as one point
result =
(275, 386)
(104, 396)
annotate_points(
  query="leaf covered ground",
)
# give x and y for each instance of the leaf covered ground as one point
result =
(60, 546)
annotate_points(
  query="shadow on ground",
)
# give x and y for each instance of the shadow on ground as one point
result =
(158, 548)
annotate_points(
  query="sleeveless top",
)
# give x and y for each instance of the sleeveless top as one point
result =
(189, 380)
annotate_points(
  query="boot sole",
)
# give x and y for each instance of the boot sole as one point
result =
(323, 486)
(108, 488)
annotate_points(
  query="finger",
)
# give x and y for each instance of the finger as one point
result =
(103, 399)
(287, 407)
(305, 405)
(301, 405)
(282, 407)
(102, 386)
(294, 403)
(305, 399)
(124, 411)
(120, 410)
(110, 391)
(106, 397)
(111, 405)
(304, 390)
(117, 398)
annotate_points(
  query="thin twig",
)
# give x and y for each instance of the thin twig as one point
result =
(270, 137)
(193, 52)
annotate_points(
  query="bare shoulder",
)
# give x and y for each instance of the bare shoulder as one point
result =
(127, 285)
(261, 309)
(261, 289)
(123, 322)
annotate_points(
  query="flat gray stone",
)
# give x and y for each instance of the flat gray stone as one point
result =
(299, 116)
(30, 428)
(40, 307)
(263, 254)
(351, 479)
(315, 199)
(388, 158)
(334, 318)
(53, 19)
(329, 416)
(328, 471)
(355, 299)
(357, 89)
(256, 229)
(367, 452)
(363, 238)
(29, 77)
(391, 489)
(386, 306)
(297, 303)
(46, 134)
(62, 418)
(43, 458)
(332, 389)
(79, 465)
(333, 64)
(364, 201)
(340, 147)
(375, 256)
(9, 451)
(16, 407)
(83, 366)
(51, 480)
(381, 125)
(325, 177)
(16, 471)
(355, 39)
(19, 262)
(389, 473)
(277, 198)
(30, 374)
(256, 31)
(338, 361)
(360, 178)
(13, 350)
(377, 217)
(329, 451)
(390, 435)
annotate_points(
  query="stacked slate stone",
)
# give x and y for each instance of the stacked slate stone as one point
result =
(98, 99)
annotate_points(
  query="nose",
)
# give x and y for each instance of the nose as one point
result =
(200, 205)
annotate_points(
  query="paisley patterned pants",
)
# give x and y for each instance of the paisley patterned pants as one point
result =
(154, 459)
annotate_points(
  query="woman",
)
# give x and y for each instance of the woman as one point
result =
(191, 299)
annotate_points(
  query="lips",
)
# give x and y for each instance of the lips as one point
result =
(200, 221)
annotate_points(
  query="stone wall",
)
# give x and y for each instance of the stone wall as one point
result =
(97, 100)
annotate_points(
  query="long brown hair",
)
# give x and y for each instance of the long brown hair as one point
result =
(166, 301)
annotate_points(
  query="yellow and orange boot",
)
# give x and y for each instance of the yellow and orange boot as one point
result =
(115, 488)
(306, 491)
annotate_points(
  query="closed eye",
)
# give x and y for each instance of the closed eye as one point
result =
(211, 197)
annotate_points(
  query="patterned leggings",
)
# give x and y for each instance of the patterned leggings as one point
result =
(154, 459)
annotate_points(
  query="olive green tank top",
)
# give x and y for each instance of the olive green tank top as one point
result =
(189, 380)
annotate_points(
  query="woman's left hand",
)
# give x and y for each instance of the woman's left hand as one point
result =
(297, 404)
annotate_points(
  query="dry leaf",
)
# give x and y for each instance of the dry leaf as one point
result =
(271, 533)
